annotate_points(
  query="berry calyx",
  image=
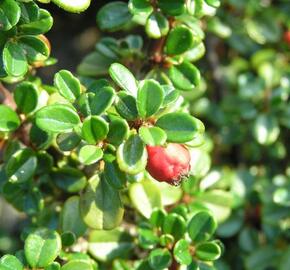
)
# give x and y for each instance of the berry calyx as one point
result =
(168, 164)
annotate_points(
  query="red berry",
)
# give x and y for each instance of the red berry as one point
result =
(168, 164)
(287, 37)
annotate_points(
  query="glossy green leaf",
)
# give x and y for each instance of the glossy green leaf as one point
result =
(157, 25)
(114, 175)
(68, 239)
(170, 95)
(157, 217)
(147, 239)
(53, 266)
(69, 179)
(42, 247)
(77, 264)
(180, 39)
(10, 262)
(175, 225)
(113, 16)
(94, 129)
(152, 136)
(73, 6)
(95, 64)
(182, 253)
(179, 127)
(118, 131)
(208, 251)
(201, 227)
(21, 166)
(26, 97)
(10, 121)
(266, 129)
(124, 78)
(132, 156)
(127, 106)
(57, 118)
(68, 141)
(160, 259)
(35, 48)
(149, 98)
(9, 14)
(145, 196)
(14, 59)
(101, 206)
(108, 245)
(172, 7)
(102, 100)
(70, 219)
(140, 7)
(68, 85)
(90, 154)
(184, 76)
(39, 25)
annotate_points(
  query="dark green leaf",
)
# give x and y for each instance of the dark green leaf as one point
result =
(42, 247)
(132, 156)
(26, 97)
(127, 106)
(208, 251)
(38, 25)
(157, 25)
(35, 48)
(181, 252)
(9, 14)
(94, 129)
(157, 217)
(152, 135)
(101, 206)
(69, 179)
(90, 154)
(21, 166)
(70, 219)
(9, 120)
(77, 264)
(57, 118)
(114, 175)
(124, 78)
(15, 63)
(102, 100)
(118, 243)
(68, 141)
(172, 7)
(113, 16)
(68, 85)
(201, 227)
(175, 225)
(160, 259)
(179, 127)
(149, 98)
(180, 39)
(140, 7)
(145, 196)
(9, 262)
(184, 76)
(118, 131)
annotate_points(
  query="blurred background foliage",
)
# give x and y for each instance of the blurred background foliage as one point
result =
(244, 102)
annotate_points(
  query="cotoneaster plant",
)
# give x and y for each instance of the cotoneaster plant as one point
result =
(83, 158)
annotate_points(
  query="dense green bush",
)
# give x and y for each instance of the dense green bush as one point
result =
(205, 78)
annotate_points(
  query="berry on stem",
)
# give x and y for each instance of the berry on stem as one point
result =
(287, 37)
(168, 164)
